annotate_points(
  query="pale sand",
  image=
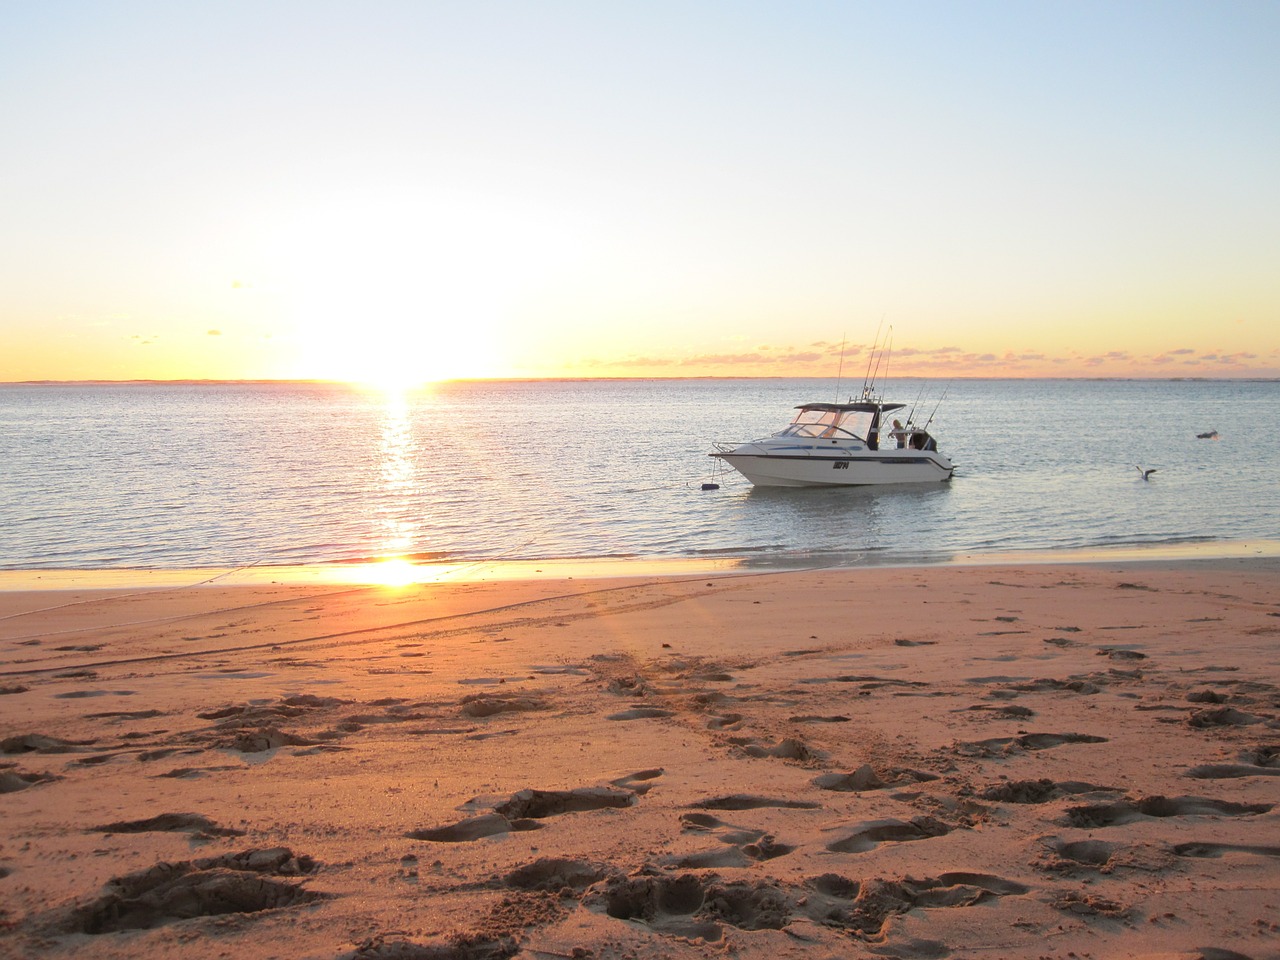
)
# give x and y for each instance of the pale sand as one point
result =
(1039, 761)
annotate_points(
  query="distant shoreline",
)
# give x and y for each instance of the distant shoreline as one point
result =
(348, 384)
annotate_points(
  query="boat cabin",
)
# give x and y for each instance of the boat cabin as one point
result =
(840, 421)
(861, 421)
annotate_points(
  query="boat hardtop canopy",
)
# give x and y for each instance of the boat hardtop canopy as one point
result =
(860, 407)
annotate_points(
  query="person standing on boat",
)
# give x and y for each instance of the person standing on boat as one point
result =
(899, 433)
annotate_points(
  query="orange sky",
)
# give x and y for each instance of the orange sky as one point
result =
(412, 192)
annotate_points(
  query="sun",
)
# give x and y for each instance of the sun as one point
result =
(374, 325)
(398, 289)
(394, 356)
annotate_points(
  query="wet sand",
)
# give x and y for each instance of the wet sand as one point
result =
(1004, 761)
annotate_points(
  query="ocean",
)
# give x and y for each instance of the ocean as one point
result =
(174, 476)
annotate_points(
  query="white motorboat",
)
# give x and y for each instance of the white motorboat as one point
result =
(841, 445)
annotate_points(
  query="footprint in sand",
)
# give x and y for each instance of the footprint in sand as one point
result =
(744, 845)
(726, 721)
(1089, 905)
(1219, 849)
(1005, 711)
(1267, 755)
(474, 828)
(866, 778)
(1039, 791)
(1206, 696)
(747, 801)
(11, 781)
(868, 683)
(837, 718)
(539, 804)
(192, 823)
(641, 713)
(263, 739)
(1120, 653)
(1220, 717)
(555, 875)
(1129, 810)
(488, 705)
(125, 715)
(790, 748)
(869, 835)
(864, 908)
(555, 670)
(1094, 853)
(39, 743)
(638, 782)
(287, 707)
(1002, 746)
(168, 892)
(1049, 685)
(691, 906)
(192, 773)
(497, 947)
(82, 694)
(523, 810)
(1070, 856)
(160, 753)
(1230, 771)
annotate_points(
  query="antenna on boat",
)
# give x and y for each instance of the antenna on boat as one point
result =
(866, 380)
(840, 370)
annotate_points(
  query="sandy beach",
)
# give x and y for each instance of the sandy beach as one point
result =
(997, 761)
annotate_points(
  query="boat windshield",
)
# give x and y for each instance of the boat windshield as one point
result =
(814, 422)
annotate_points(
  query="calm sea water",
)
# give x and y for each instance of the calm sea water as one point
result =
(173, 476)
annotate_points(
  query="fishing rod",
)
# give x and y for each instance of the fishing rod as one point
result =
(889, 355)
(879, 358)
(840, 371)
(919, 396)
(871, 356)
(937, 405)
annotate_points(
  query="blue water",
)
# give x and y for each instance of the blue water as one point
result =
(174, 476)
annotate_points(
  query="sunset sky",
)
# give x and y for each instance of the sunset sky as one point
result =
(395, 191)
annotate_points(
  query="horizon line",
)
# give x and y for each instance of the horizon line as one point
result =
(287, 381)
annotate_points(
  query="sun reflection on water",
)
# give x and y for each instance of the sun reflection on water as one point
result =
(395, 573)
(398, 476)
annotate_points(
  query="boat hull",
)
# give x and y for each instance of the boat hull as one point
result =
(833, 470)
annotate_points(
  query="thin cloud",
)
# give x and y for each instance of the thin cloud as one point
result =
(818, 359)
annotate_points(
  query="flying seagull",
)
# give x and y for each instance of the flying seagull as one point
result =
(1146, 474)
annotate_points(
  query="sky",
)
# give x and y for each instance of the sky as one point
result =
(399, 191)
